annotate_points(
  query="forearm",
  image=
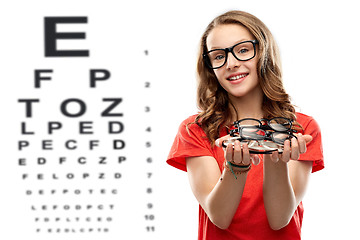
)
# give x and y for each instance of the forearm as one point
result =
(279, 198)
(223, 201)
(219, 193)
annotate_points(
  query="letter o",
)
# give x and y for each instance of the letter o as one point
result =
(64, 110)
(70, 175)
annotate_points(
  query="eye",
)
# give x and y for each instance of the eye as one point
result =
(243, 50)
(219, 57)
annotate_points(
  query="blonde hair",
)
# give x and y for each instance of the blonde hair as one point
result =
(213, 100)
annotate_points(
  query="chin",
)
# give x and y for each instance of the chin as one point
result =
(238, 94)
(243, 91)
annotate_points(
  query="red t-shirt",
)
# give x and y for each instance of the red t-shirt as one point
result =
(250, 221)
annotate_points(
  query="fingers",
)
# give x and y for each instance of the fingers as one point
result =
(238, 153)
(229, 153)
(295, 149)
(219, 141)
(246, 154)
(274, 156)
(307, 138)
(297, 146)
(255, 159)
(237, 159)
(285, 156)
(302, 142)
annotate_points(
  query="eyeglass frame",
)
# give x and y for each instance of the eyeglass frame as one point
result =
(268, 135)
(267, 126)
(227, 50)
(251, 151)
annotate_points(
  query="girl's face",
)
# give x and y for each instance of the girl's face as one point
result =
(238, 78)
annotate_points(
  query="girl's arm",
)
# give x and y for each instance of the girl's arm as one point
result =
(219, 194)
(285, 182)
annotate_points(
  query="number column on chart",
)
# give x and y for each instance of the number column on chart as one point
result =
(149, 216)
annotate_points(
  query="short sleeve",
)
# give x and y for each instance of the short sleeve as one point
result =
(190, 141)
(314, 149)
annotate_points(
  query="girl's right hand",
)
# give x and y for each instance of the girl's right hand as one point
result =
(238, 152)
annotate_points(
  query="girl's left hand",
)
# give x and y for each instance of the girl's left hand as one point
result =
(292, 150)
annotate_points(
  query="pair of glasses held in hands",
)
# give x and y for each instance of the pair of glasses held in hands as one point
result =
(263, 136)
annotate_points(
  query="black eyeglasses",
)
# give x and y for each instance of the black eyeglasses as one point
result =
(256, 146)
(262, 135)
(255, 133)
(242, 51)
(279, 124)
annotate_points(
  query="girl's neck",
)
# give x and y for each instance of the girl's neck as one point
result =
(249, 106)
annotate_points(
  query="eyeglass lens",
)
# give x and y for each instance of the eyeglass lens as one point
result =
(254, 133)
(249, 122)
(242, 51)
(280, 124)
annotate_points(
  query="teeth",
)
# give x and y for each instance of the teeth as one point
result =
(238, 77)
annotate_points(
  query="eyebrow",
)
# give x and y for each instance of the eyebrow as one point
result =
(242, 40)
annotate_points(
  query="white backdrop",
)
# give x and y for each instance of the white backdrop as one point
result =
(150, 48)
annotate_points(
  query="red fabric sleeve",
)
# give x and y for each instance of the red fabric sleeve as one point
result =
(314, 149)
(190, 141)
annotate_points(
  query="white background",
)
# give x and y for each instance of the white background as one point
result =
(319, 47)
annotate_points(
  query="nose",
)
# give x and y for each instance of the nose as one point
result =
(231, 61)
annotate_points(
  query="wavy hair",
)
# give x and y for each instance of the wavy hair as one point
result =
(214, 102)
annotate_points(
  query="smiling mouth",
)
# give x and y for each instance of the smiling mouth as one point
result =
(237, 77)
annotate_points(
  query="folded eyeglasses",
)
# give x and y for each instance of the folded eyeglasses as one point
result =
(263, 136)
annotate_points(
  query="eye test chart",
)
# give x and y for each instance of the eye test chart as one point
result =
(92, 96)
(84, 126)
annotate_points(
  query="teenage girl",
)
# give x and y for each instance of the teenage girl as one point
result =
(243, 195)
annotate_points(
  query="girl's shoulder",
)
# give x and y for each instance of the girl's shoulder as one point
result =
(190, 123)
(306, 120)
(303, 117)
(190, 119)
(308, 123)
